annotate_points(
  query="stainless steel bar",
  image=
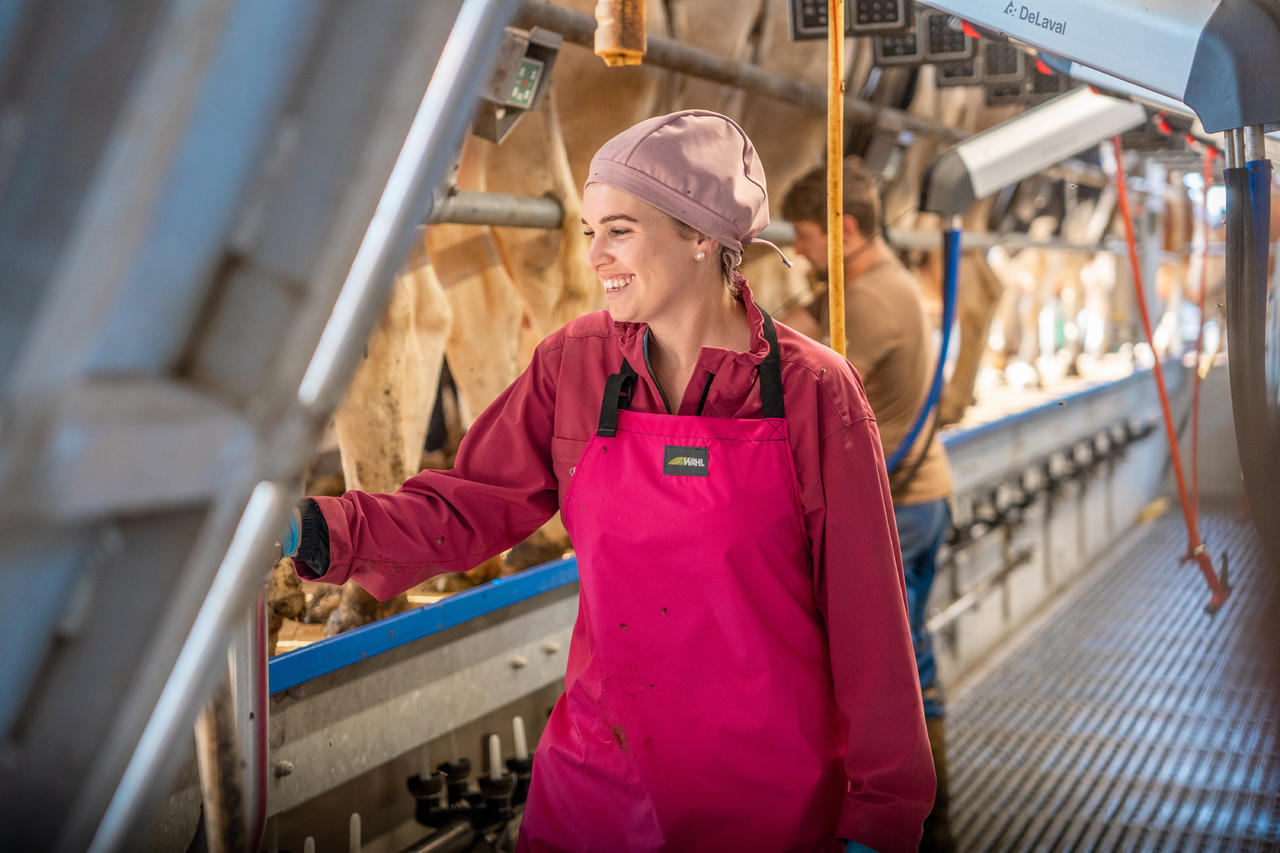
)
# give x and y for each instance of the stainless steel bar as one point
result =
(1234, 140)
(977, 592)
(436, 130)
(674, 56)
(466, 207)
(239, 572)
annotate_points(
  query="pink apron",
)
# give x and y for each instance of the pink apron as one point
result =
(698, 712)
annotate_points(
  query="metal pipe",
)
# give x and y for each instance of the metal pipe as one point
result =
(258, 737)
(977, 592)
(674, 56)
(240, 571)
(1234, 145)
(435, 133)
(466, 207)
(1254, 143)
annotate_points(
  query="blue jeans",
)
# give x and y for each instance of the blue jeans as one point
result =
(921, 529)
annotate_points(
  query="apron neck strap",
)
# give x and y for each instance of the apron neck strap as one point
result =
(619, 386)
(770, 371)
(617, 392)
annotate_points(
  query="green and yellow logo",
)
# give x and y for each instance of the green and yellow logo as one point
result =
(685, 461)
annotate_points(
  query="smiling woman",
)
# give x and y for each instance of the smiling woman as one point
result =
(744, 639)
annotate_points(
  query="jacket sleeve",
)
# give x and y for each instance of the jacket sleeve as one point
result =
(500, 490)
(860, 589)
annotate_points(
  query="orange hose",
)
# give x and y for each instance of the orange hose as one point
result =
(1194, 546)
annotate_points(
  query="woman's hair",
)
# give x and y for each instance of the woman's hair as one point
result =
(730, 261)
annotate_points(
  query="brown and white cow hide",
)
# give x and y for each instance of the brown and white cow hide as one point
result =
(381, 424)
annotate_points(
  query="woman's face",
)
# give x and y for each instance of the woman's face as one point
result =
(646, 268)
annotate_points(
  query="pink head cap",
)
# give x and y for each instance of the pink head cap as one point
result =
(696, 166)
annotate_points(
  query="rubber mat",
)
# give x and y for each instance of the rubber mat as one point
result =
(1128, 719)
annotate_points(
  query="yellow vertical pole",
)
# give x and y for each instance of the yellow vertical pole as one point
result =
(835, 173)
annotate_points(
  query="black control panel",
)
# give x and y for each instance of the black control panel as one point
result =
(880, 16)
(964, 72)
(1002, 62)
(862, 17)
(1004, 94)
(944, 38)
(897, 50)
(1047, 85)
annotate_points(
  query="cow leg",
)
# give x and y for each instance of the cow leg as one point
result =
(978, 297)
(381, 424)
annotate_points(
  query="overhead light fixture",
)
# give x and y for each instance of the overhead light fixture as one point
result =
(1023, 145)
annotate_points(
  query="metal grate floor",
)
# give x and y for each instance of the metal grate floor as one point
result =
(1130, 720)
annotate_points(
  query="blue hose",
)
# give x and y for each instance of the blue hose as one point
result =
(1260, 208)
(950, 278)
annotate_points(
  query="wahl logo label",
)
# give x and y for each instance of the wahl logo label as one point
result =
(685, 461)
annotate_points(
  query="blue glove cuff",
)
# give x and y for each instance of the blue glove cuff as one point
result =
(289, 546)
(855, 847)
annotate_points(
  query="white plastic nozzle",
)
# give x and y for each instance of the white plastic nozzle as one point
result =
(353, 836)
(309, 846)
(424, 764)
(495, 757)
(522, 745)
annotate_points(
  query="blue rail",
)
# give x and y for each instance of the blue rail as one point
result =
(959, 438)
(320, 658)
(325, 656)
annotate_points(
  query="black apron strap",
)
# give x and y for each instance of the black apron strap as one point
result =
(619, 386)
(771, 373)
(617, 393)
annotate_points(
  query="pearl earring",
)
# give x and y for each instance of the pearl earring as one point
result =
(701, 256)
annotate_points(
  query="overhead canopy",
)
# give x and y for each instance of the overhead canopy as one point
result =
(1220, 59)
(1023, 145)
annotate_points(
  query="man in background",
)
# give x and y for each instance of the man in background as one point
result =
(890, 345)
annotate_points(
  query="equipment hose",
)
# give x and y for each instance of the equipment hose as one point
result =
(1195, 548)
(1248, 224)
(950, 279)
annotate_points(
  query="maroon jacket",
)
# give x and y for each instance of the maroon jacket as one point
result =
(512, 471)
